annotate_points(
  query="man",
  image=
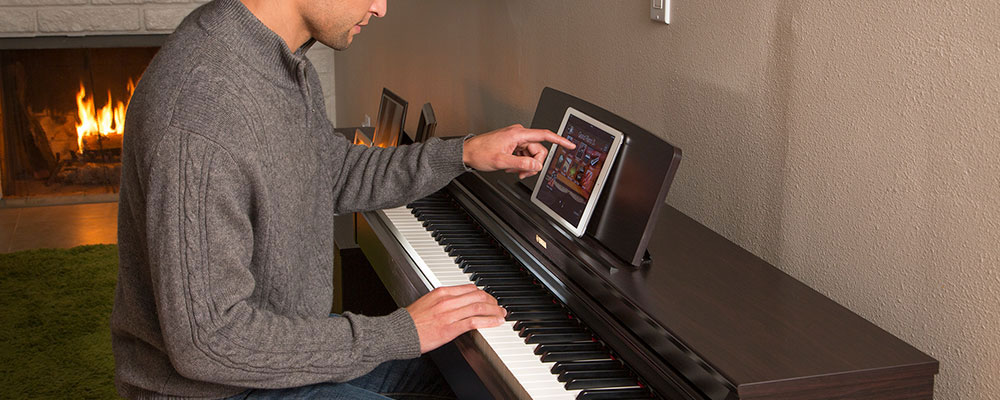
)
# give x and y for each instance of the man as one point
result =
(231, 177)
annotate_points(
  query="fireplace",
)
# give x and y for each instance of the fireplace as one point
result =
(62, 113)
(48, 50)
(89, 41)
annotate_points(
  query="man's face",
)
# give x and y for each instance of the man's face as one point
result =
(335, 22)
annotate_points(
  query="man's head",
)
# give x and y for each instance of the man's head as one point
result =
(335, 22)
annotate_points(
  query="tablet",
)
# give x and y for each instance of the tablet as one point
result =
(571, 180)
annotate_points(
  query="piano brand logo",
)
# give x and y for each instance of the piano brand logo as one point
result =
(541, 242)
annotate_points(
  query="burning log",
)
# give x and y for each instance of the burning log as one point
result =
(100, 129)
(102, 142)
(89, 173)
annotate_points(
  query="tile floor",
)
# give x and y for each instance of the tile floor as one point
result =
(61, 226)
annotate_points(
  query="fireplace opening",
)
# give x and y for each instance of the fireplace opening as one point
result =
(62, 112)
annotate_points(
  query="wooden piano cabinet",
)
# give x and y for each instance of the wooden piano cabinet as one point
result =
(770, 335)
(896, 389)
(759, 333)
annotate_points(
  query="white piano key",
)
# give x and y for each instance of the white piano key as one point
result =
(440, 269)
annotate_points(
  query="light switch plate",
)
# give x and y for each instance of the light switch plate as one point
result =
(659, 11)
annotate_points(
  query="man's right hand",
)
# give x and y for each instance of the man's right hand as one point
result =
(449, 311)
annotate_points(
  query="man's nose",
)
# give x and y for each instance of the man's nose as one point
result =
(379, 8)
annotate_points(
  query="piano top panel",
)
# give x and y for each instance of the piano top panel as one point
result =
(754, 322)
(756, 325)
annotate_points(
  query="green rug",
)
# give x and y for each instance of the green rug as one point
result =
(54, 310)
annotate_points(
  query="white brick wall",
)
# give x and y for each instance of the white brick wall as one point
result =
(27, 18)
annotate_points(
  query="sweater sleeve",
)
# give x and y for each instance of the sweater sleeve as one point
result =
(371, 178)
(201, 243)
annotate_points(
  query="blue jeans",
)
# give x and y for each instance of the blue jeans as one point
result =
(416, 379)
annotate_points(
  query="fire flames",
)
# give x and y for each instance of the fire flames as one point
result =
(105, 124)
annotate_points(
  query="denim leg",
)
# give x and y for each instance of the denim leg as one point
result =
(328, 390)
(416, 379)
(412, 379)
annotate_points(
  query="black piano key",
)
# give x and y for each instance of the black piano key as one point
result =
(492, 289)
(595, 383)
(432, 199)
(467, 239)
(457, 233)
(531, 291)
(497, 255)
(572, 347)
(438, 209)
(573, 355)
(497, 274)
(489, 267)
(438, 206)
(431, 202)
(519, 325)
(464, 237)
(535, 307)
(467, 228)
(466, 249)
(525, 331)
(446, 222)
(536, 338)
(440, 215)
(464, 240)
(492, 258)
(474, 251)
(472, 243)
(519, 300)
(567, 376)
(496, 282)
(482, 264)
(614, 394)
(535, 315)
(482, 259)
(445, 226)
(586, 365)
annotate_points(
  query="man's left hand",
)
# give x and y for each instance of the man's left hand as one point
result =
(513, 149)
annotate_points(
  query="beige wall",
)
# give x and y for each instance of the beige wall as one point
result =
(852, 144)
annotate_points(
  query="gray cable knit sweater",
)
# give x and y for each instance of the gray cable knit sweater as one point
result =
(231, 175)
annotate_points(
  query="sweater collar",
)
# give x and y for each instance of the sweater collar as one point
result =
(230, 22)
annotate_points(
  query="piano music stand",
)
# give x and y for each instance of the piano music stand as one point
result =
(627, 211)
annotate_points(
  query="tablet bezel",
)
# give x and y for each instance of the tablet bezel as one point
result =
(581, 227)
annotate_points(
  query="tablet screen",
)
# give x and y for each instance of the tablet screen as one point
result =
(571, 180)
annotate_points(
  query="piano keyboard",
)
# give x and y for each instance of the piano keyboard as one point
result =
(550, 353)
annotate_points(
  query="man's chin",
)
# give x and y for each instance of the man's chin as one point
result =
(340, 44)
